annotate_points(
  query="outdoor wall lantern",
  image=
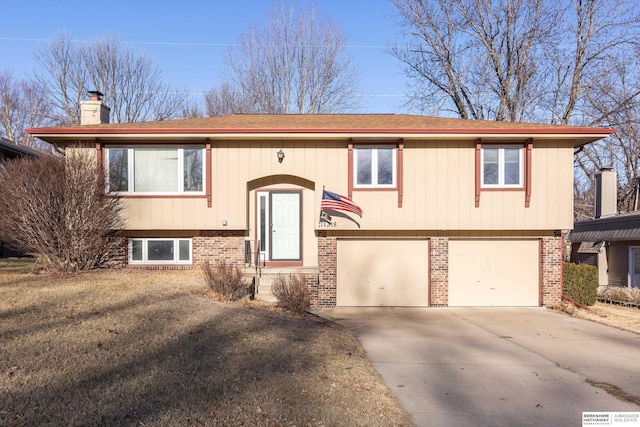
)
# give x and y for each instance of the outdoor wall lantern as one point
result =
(280, 156)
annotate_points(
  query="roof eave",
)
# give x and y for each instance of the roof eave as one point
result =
(62, 135)
(8, 146)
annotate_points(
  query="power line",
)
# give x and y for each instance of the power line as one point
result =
(159, 43)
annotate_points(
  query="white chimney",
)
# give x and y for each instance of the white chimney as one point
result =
(606, 200)
(94, 112)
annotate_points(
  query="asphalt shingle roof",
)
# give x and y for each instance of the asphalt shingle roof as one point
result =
(324, 123)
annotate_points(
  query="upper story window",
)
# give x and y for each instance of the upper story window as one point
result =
(155, 170)
(374, 166)
(502, 167)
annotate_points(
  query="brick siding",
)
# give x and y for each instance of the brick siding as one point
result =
(551, 271)
(214, 245)
(328, 270)
(313, 281)
(439, 271)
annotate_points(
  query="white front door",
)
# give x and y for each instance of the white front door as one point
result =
(284, 226)
(634, 267)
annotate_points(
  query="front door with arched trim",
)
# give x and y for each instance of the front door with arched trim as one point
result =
(279, 225)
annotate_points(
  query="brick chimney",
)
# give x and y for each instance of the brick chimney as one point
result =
(93, 111)
(606, 198)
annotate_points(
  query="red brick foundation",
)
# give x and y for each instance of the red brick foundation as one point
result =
(327, 270)
(313, 281)
(550, 271)
(217, 245)
(439, 271)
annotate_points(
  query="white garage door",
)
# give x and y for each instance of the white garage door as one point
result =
(493, 273)
(382, 273)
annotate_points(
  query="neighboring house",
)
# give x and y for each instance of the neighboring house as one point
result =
(610, 241)
(455, 212)
(8, 151)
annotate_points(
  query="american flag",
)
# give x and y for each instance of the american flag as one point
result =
(336, 202)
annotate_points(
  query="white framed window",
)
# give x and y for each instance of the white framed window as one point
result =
(155, 170)
(374, 166)
(502, 166)
(160, 251)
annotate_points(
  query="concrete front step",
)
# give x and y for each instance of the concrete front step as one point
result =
(263, 292)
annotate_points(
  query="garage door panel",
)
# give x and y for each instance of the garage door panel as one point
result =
(493, 273)
(382, 273)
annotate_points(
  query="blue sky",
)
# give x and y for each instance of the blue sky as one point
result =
(187, 39)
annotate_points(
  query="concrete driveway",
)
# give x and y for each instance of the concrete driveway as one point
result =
(498, 366)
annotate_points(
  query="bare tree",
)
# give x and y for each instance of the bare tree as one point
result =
(226, 99)
(516, 60)
(613, 101)
(598, 84)
(192, 109)
(569, 62)
(295, 63)
(132, 85)
(597, 37)
(475, 58)
(22, 105)
(56, 209)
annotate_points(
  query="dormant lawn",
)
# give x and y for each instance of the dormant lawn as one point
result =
(153, 348)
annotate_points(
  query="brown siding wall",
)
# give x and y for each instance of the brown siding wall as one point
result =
(580, 258)
(435, 174)
(618, 260)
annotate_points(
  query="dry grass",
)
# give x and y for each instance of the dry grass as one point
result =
(625, 318)
(17, 265)
(152, 348)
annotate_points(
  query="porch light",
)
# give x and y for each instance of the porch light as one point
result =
(280, 156)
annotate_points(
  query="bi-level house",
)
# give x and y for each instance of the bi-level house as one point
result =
(426, 211)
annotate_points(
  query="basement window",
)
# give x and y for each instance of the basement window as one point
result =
(160, 251)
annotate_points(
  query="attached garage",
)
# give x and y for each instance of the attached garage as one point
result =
(383, 272)
(488, 273)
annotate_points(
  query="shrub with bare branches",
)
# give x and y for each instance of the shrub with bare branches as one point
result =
(292, 292)
(619, 294)
(225, 280)
(55, 208)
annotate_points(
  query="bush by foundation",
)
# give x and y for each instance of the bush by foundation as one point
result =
(292, 292)
(225, 280)
(580, 282)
